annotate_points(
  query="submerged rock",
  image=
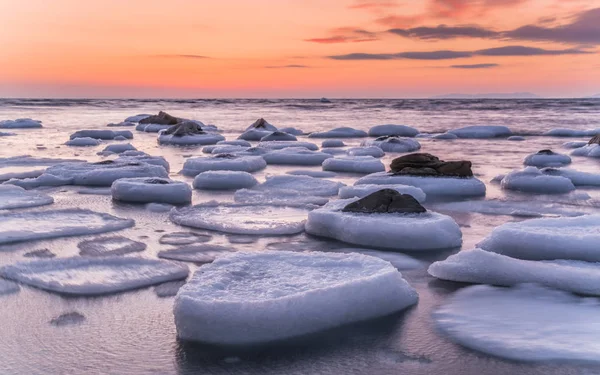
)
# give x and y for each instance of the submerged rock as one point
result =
(163, 118)
(423, 164)
(68, 319)
(595, 140)
(184, 128)
(385, 201)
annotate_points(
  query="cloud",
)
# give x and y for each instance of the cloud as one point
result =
(346, 35)
(287, 66)
(433, 55)
(462, 8)
(363, 56)
(445, 32)
(528, 51)
(400, 21)
(373, 4)
(474, 66)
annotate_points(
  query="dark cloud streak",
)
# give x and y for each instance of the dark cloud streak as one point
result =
(474, 66)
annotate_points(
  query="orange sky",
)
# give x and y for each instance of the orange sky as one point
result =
(298, 48)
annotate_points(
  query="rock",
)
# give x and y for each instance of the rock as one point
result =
(595, 140)
(68, 319)
(261, 123)
(423, 164)
(163, 118)
(184, 128)
(385, 201)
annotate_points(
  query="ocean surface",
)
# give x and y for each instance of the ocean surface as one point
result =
(134, 332)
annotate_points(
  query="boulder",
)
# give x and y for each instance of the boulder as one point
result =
(385, 201)
(184, 128)
(595, 140)
(423, 164)
(163, 118)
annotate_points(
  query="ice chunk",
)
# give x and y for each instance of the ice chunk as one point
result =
(562, 132)
(292, 131)
(16, 197)
(432, 186)
(278, 145)
(373, 151)
(360, 191)
(549, 238)
(592, 151)
(242, 218)
(30, 160)
(343, 132)
(235, 142)
(532, 180)
(547, 159)
(223, 149)
(574, 144)
(400, 261)
(447, 136)
(577, 178)
(393, 144)
(516, 138)
(183, 238)
(83, 141)
(196, 139)
(118, 148)
(38, 225)
(146, 190)
(94, 276)
(295, 156)
(334, 151)
(525, 323)
(423, 231)
(42, 180)
(20, 175)
(102, 134)
(224, 180)
(239, 298)
(333, 143)
(139, 156)
(278, 197)
(354, 164)
(278, 136)
(41, 253)
(481, 132)
(223, 162)
(68, 319)
(137, 118)
(483, 267)
(397, 130)
(514, 208)
(151, 128)
(316, 174)
(168, 289)
(20, 123)
(254, 134)
(8, 287)
(195, 253)
(304, 184)
(117, 245)
(119, 124)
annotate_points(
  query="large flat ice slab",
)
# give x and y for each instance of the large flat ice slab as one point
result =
(94, 276)
(241, 298)
(147, 190)
(397, 130)
(278, 197)
(354, 164)
(525, 323)
(223, 162)
(16, 197)
(532, 180)
(364, 190)
(38, 225)
(305, 184)
(296, 156)
(196, 253)
(224, 180)
(343, 132)
(481, 132)
(20, 123)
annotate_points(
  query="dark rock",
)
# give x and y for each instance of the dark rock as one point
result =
(184, 128)
(162, 118)
(104, 162)
(595, 140)
(261, 123)
(423, 164)
(225, 156)
(156, 181)
(68, 319)
(546, 152)
(386, 201)
(279, 136)
(41, 253)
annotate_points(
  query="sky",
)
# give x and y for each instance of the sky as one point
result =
(298, 48)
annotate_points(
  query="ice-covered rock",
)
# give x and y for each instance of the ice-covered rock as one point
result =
(563, 132)
(16, 197)
(343, 132)
(308, 172)
(120, 124)
(106, 246)
(481, 132)
(38, 225)
(532, 180)
(393, 144)
(512, 208)
(524, 323)
(235, 142)
(119, 148)
(577, 178)
(394, 130)
(360, 191)
(93, 276)
(292, 131)
(223, 149)
(224, 180)
(242, 218)
(547, 158)
(333, 143)
(102, 134)
(278, 197)
(83, 142)
(278, 145)
(445, 136)
(137, 118)
(420, 231)
(239, 298)
(354, 164)
(185, 140)
(516, 138)
(254, 134)
(20, 175)
(8, 287)
(146, 190)
(296, 156)
(151, 128)
(304, 184)
(262, 124)
(574, 144)
(195, 253)
(592, 151)
(20, 123)
(223, 162)
(278, 136)
(373, 151)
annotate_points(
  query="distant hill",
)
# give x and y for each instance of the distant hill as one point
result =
(511, 95)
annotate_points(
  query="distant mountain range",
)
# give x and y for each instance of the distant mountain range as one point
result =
(511, 95)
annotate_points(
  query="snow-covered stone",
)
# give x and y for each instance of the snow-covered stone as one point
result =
(359, 191)
(102, 134)
(577, 178)
(547, 159)
(83, 142)
(532, 180)
(156, 190)
(224, 180)
(333, 143)
(343, 132)
(354, 164)
(373, 151)
(262, 124)
(395, 130)
(304, 184)
(592, 151)
(278, 197)
(137, 118)
(223, 162)
(292, 131)
(195, 253)
(574, 144)
(119, 148)
(393, 144)
(16, 197)
(296, 156)
(239, 298)
(107, 246)
(278, 145)
(20, 123)
(481, 132)
(278, 136)
(186, 140)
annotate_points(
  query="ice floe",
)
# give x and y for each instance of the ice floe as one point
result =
(20, 175)
(146, 190)
(119, 148)
(343, 132)
(354, 164)
(516, 138)
(400, 261)
(562, 132)
(592, 151)
(83, 142)
(333, 143)
(223, 162)
(16, 197)
(223, 149)
(278, 136)
(235, 142)
(20, 123)
(481, 132)
(373, 151)
(532, 180)
(195, 253)
(528, 208)
(359, 191)
(305, 184)
(94, 276)
(397, 130)
(278, 197)
(292, 131)
(8, 287)
(278, 145)
(295, 156)
(308, 172)
(254, 134)
(446, 136)
(106, 246)
(239, 298)
(102, 134)
(578, 178)
(183, 238)
(547, 158)
(224, 180)
(151, 128)
(30, 160)
(393, 144)
(574, 144)
(183, 140)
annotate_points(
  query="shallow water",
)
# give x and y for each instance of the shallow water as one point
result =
(134, 333)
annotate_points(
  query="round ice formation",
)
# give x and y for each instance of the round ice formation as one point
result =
(195, 253)
(373, 151)
(239, 298)
(394, 144)
(547, 158)
(195, 139)
(480, 132)
(343, 132)
(563, 132)
(102, 134)
(278, 136)
(333, 143)
(304, 184)
(316, 174)
(278, 145)
(296, 156)
(223, 162)
(83, 142)
(21, 123)
(278, 197)
(242, 218)
(592, 151)
(16, 197)
(119, 148)
(292, 131)
(577, 178)
(423, 231)
(532, 180)
(224, 180)
(395, 130)
(360, 191)
(254, 134)
(354, 164)
(146, 190)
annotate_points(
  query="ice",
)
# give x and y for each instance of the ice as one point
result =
(400, 261)
(574, 144)
(278, 197)
(119, 148)
(343, 132)
(393, 144)
(183, 238)
(547, 160)
(360, 191)
(20, 123)
(447, 136)
(524, 323)
(532, 180)
(516, 138)
(577, 178)
(432, 186)
(316, 174)
(139, 156)
(151, 128)
(354, 164)
(137, 118)
(42, 180)
(334, 151)
(484, 267)
(592, 151)
(155, 190)
(120, 138)
(240, 298)
(424, 231)
(94, 191)
(333, 143)
(514, 208)
(195, 253)
(80, 276)
(106, 246)
(481, 132)
(242, 218)
(5, 134)
(41, 253)
(573, 238)
(396, 130)
(83, 142)
(224, 162)
(292, 131)
(278, 136)
(196, 139)
(68, 319)
(16, 197)
(254, 134)
(373, 151)
(32, 225)
(20, 175)
(223, 149)
(168, 289)
(158, 207)
(224, 180)
(119, 124)
(235, 142)
(562, 132)
(30, 160)
(278, 145)
(102, 134)
(305, 184)
(8, 287)
(262, 124)
(295, 156)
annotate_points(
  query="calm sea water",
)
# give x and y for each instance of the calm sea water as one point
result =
(134, 333)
